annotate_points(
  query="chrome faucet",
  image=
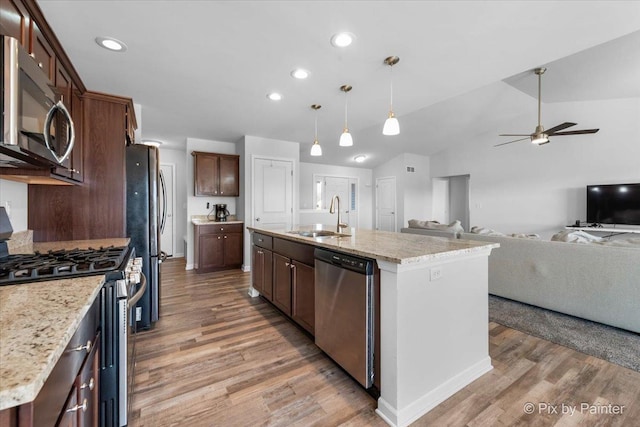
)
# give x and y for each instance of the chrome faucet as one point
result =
(332, 209)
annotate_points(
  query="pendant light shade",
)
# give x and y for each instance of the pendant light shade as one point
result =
(391, 125)
(346, 140)
(316, 149)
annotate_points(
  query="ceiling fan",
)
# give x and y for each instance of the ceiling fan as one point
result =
(540, 136)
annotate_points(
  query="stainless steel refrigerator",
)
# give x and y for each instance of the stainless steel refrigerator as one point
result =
(143, 218)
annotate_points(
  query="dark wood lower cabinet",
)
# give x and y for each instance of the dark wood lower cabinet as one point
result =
(218, 247)
(262, 271)
(285, 281)
(282, 283)
(303, 296)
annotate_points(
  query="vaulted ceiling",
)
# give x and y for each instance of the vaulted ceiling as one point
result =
(202, 69)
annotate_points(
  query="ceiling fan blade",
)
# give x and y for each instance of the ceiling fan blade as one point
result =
(559, 127)
(515, 134)
(576, 132)
(515, 140)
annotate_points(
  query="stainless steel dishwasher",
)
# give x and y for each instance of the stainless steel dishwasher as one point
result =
(344, 312)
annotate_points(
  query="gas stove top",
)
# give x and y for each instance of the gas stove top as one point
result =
(63, 264)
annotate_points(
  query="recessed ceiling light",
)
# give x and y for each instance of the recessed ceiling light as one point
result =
(111, 44)
(274, 96)
(361, 158)
(299, 73)
(342, 39)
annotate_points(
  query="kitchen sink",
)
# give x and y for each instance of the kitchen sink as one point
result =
(318, 233)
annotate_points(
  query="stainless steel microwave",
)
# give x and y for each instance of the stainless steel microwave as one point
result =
(36, 127)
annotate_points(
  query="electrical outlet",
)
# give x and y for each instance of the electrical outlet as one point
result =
(138, 314)
(435, 273)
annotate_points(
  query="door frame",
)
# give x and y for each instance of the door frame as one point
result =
(395, 203)
(172, 166)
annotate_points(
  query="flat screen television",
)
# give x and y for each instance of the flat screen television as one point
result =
(613, 204)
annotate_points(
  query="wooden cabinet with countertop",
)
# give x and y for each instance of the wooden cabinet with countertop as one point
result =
(216, 174)
(218, 246)
(69, 395)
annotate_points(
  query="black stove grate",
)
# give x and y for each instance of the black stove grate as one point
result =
(61, 264)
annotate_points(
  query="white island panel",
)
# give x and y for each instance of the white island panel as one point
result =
(434, 333)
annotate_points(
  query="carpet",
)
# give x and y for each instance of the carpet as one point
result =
(595, 339)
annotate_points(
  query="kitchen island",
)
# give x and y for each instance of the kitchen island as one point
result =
(433, 314)
(37, 321)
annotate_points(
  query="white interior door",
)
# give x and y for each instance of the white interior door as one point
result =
(273, 193)
(386, 204)
(167, 205)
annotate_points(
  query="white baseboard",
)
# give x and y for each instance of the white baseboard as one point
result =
(189, 267)
(246, 268)
(422, 405)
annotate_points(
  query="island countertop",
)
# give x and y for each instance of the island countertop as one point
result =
(38, 319)
(398, 248)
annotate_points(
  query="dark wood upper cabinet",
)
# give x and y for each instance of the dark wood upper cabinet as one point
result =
(42, 52)
(15, 21)
(216, 174)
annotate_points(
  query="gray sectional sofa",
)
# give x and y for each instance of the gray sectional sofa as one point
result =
(595, 282)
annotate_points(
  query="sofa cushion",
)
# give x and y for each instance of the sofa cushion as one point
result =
(575, 236)
(455, 226)
(485, 231)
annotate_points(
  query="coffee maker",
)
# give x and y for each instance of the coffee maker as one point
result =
(221, 212)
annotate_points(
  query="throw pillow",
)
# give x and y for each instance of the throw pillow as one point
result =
(485, 231)
(571, 236)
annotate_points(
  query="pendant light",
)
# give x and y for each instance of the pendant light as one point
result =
(316, 149)
(345, 139)
(391, 125)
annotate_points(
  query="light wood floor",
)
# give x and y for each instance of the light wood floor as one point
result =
(220, 358)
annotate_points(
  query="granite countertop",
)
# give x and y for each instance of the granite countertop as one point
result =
(37, 320)
(202, 220)
(398, 248)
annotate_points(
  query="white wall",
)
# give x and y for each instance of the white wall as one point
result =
(521, 188)
(178, 158)
(250, 147)
(198, 205)
(365, 193)
(16, 193)
(413, 189)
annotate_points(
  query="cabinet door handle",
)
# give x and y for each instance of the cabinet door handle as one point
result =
(287, 264)
(78, 407)
(293, 267)
(84, 347)
(260, 252)
(222, 192)
(91, 384)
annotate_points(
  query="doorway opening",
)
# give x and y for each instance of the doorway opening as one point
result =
(451, 200)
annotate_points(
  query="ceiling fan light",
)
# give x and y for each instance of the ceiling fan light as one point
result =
(316, 149)
(391, 125)
(539, 139)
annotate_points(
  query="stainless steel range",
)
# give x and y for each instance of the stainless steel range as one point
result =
(124, 285)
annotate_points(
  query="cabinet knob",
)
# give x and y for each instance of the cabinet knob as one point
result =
(221, 228)
(91, 384)
(40, 65)
(33, 55)
(260, 252)
(74, 171)
(78, 407)
(218, 237)
(225, 237)
(222, 192)
(84, 347)
(287, 264)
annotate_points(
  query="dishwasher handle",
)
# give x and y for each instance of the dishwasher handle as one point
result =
(349, 262)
